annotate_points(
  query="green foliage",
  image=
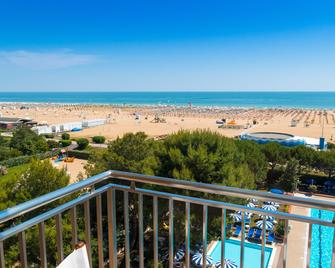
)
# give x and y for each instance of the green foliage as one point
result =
(49, 136)
(82, 143)
(28, 142)
(65, 143)
(326, 161)
(52, 144)
(65, 136)
(312, 188)
(98, 139)
(290, 177)
(79, 154)
(133, 152)
(40, 178)
(24, 159)
(7, 153)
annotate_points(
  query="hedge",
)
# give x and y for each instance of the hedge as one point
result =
(65, 136)
(82, 143)
(65, 143)
(98, 139)
(79, 154)
(24, 159)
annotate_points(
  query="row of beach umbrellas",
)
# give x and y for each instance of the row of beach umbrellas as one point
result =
(198, 260)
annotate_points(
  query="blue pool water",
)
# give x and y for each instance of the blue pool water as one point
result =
(322, 240)
(252, 253)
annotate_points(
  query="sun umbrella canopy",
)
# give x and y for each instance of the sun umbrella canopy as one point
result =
(226, 264)
(267, 217)
(268, 225)
(179, 255)
(236, 217)
(272, 203)
(253, 200)
(198, 259)
(251, 205)
(269, 207)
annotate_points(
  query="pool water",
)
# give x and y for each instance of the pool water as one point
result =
(322, 240)
(252, 253)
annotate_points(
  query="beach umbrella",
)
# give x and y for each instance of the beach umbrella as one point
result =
(236, 217)
(269, 207)
(179, 255)
(247, 214)
(268, 225)
(251, 205)
(267, 217)
(272, 203)
(253, 200)
(329, 183)
(197, 259)
(226, 264)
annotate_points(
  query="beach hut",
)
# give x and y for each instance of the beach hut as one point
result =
(93, 123)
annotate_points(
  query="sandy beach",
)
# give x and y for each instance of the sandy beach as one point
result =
(123, 119)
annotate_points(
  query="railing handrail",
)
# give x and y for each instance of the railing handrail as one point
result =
(30, 205)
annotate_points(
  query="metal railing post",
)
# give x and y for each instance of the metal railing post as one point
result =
(112, 240)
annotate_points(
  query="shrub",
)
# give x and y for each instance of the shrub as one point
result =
(82, 143)
(99, 139)
(65, 136)
(313, 188)
(49, 136)
(65, 143)
(79, 154)
(52, 144)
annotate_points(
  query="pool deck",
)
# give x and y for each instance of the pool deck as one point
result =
(297, 239)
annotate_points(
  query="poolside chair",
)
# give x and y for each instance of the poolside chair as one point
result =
(258, 234)
(250, 233)
(271, 238)
(237, 231)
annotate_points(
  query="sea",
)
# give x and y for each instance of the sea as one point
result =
(257, 99)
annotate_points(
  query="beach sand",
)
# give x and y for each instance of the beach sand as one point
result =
(122, 120)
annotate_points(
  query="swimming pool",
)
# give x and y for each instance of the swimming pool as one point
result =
(322, 240)
(252, 253)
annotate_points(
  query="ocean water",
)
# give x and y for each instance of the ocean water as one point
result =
(317, 100)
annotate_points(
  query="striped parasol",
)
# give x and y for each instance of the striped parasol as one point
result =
(267, 217)
(179, 255)
(198, 259)
(272, 203)
(251, 205)
(269, 207)
(268, 225)
(253, 200)
(226, 264)
(237, 217)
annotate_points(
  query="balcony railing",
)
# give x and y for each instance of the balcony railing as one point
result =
(17, 220)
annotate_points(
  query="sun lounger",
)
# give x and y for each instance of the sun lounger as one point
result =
(271, 238)
(237, 231)
(258, 234)
(250, 233)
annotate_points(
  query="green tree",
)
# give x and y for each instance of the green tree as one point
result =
(7, 152)
(82, 143)
(40, 178)
(28, 142)
(65, 136)
(290, 178)
(132, 152)
(325, 161)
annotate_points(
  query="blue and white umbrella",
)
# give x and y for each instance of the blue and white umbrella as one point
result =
(267, 217)
(179, 255)
(272, 203)
(198, 259)
(247, 214)
(236, 217)
(226, 264)
(251, 205)
(253, 200)
(269, 207)
(268, 225)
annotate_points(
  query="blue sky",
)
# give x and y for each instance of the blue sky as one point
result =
(167, 45)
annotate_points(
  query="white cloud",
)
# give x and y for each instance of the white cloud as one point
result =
(46, 60)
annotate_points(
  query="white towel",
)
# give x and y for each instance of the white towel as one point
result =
(77, 259)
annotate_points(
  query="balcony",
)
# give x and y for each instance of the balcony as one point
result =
(134, 220)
